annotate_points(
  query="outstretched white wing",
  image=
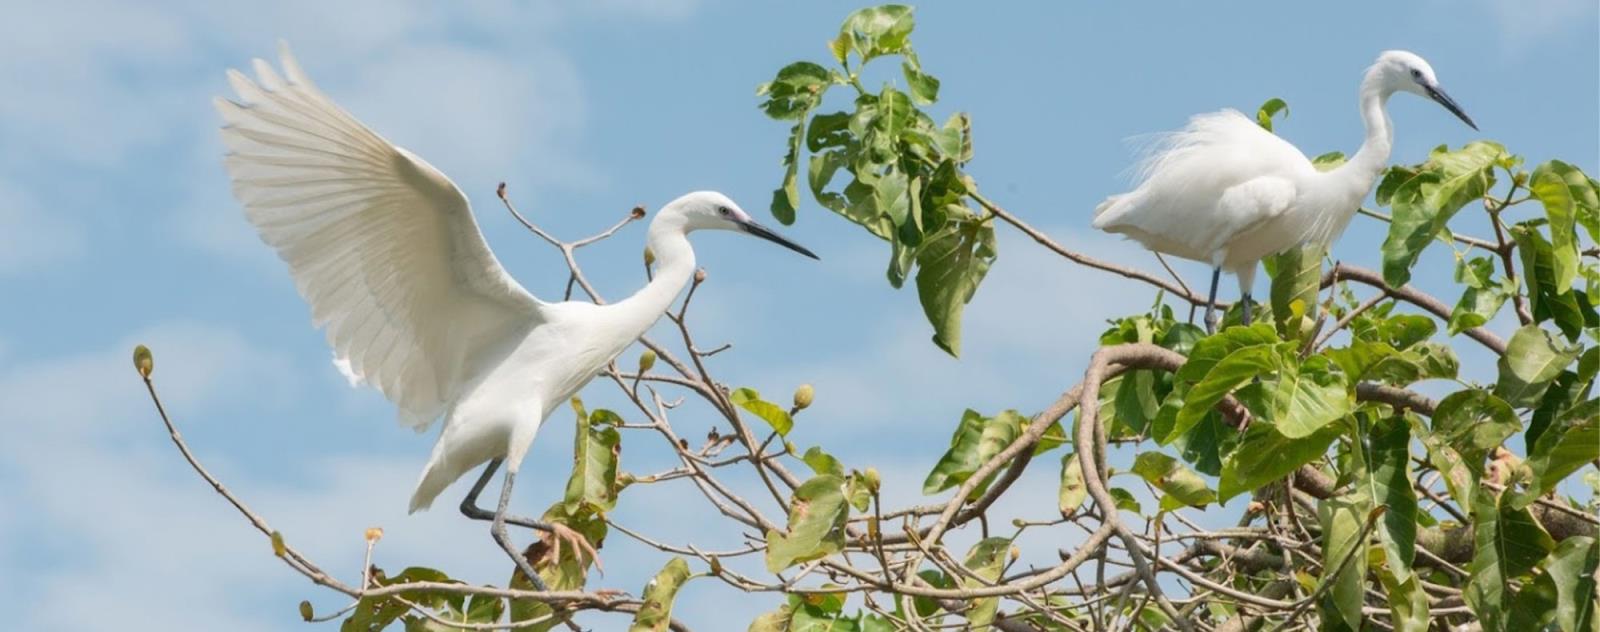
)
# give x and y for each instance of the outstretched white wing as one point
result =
(382, 245)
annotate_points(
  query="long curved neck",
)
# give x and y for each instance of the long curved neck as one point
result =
(1373, 157)
(674, 266)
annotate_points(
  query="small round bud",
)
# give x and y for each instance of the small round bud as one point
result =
(700, 275)
(788, 446)
(716, 566)
(803, 396)
(278, 547)
(637, 212)
(305, 611)
(1520, 178)
(647, 360)
(649, 257)
(871, 478)
(1016, 552)
(374, 534)
(143, 360)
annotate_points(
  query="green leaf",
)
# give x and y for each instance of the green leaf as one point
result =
(817, 516)
(1483, 297)
(485, 609)
(1344, 554)
(1390, 486)
(1508, 543)
(889, 195)
(1236, 369)
(1533, 358)
(1329, 161)
(773, 414)
(924, 87)
(1562, 449)
(1549, 301)
(1407, 603)
(877, 31)
(985, 559)
(951, 265)
(786, 198)
(655, 614)
(1474, 422)
(796, 89)
(1265, 455)
(1565, 192)
(1571, 567)
(1459, 479)
(976, 440)
(1424, 204)
(1183, 487)
(1308, 397)
(1297, 277)
(596, 447)
(1073, 492)
(1208, 351)
(774, 621)
(1124, 500)
(1270, 109)
(822, 462)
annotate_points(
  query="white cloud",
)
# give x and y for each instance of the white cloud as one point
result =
(1523, 23)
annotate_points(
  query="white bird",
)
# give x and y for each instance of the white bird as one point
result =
(385, 250)
(1226, 192)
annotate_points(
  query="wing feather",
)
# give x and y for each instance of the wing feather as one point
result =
(382, 246)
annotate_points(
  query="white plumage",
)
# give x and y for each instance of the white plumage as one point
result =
(385, 250)
(1226, 192)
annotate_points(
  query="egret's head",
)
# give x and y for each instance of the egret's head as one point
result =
(709, 210)
(1403, 71)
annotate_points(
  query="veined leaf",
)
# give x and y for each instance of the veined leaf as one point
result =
(1533, 358)
(1183, 487)
(773, 414)
(817, 516)
(655, 614)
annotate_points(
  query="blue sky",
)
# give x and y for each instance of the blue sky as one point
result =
(116, 227)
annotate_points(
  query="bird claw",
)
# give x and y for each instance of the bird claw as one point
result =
(560, 532)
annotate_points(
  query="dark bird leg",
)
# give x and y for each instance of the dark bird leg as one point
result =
(498, 530)
(1246, 303)
(1211, 301)
(470, 509)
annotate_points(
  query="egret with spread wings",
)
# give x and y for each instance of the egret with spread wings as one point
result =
(1226, 192)
(385, 250)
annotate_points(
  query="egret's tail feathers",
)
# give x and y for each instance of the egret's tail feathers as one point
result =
(435, 478)
(1107, 214)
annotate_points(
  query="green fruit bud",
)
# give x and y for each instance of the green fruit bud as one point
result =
(143, 360)
(278, 547)
(306, 612)
(647, 360)
(870, 477)
(803, 397)
(649, 257)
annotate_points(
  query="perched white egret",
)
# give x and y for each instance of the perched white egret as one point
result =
(1226, 192)
(385, 250)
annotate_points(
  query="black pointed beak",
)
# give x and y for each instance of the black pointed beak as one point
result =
(1438, 94)
(764, 233)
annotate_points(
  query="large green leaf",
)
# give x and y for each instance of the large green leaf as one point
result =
(1424, 204)
(773, 414)
(655, 614)
(924, 87)
(1229, 373)
(1183, 487)
(1567, 445)
(1408, 603)
(1344, 554)
(1508, 543)
(786, 198)
(1533, 358)
(1297, 277)
(877, 31)
(1566, 193)
(976, 440)
(797, 88)
(1265, 455)
(1473, 422)
(597, 445)
(1389, 480)
(1548, 300)
(951, 265)
(1572, 567)
(1210, 350)
(1307, 397)
(817, 516)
